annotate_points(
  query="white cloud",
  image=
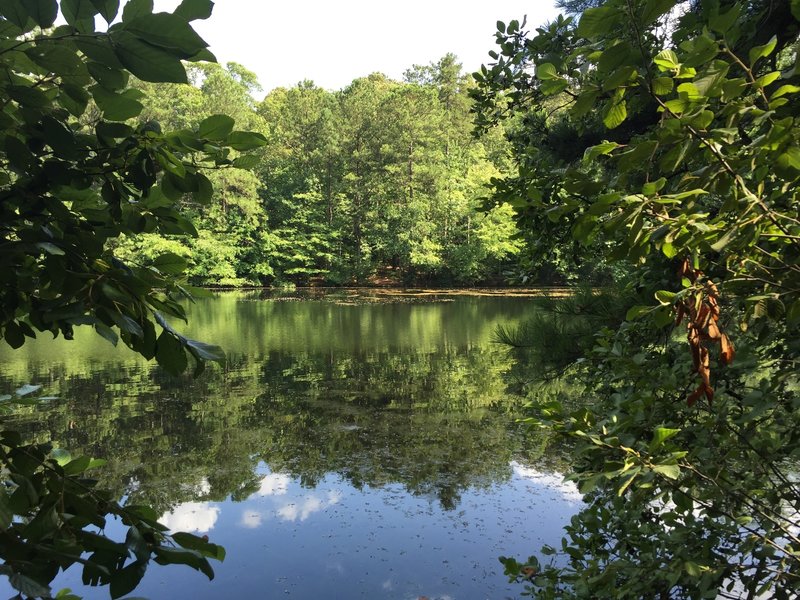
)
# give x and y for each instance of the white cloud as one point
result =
(191, 516)
(251, 519)
(294, 511)
(554, 481)
(274, 484)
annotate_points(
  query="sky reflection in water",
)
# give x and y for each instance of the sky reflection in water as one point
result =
(335, 541)
(346, 451)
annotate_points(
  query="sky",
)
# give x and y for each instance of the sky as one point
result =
(333, 42)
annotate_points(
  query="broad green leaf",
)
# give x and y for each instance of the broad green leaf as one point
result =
(668, 471)
(790, 159)
(785, 89)
(216, 127)
(665, 297)
(107, 8)
(758, 52)
(614, 113)
(167, 31)
(666, 60)
(194, 9)
(723, 241)
(600, 149)
(77, 465)
(148, 62)
(43, 12)
(634, 312)
(180, 556)
(75, 11)
(16, 12)
(620, 77)
(546, 71)
(767, 79)
(170, 354)
(793, 313)
(205, 190)
(653, 187)
(116, 106)
(125, 580)
(653, 9)
(661, 435)
(692, 569)
(553, 86)
(722, 22)
(201, 545)
(205, 351)
(595, 22)
(61, 456)
(136, 8)
(29, 587)
(14, 336)
(245, 140)
(171, 263)
(662, 85)
(64, 144)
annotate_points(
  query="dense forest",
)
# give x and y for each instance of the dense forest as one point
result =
(658, 140)
(381, 182)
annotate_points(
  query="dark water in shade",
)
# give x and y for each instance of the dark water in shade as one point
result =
(354, 446)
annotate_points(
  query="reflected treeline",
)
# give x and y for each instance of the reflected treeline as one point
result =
(436, 418)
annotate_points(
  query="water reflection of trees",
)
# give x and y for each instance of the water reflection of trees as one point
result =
(435, 422)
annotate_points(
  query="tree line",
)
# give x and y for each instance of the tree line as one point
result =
(381, 182)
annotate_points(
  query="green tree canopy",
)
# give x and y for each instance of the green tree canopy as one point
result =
(663, 136)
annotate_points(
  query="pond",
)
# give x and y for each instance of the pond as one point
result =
(355, 445)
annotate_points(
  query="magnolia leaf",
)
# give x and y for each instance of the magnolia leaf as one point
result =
(653, 9)
(722, 22)
(194, 9)
(126, 579)
(216, 127)
(29, 587)
(171, 263)
(666, 60)
(637, 311)
(77, 10)
(148, 62)
(167, 31)
(662, 434)
(44, 12)
(614, 113)
(662, 85)
(136, 8)
(595, 22)
(600, 149)
(205, 351)
(546, 71)
(246, 140)
(107, 8)
(668, 471)
(170, 354)
(757, 52)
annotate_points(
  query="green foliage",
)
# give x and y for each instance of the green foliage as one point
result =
(72, 183)
(48, 506)
(679, 164)
(77, 174)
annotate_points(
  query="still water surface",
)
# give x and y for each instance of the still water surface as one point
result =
(354, 446)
